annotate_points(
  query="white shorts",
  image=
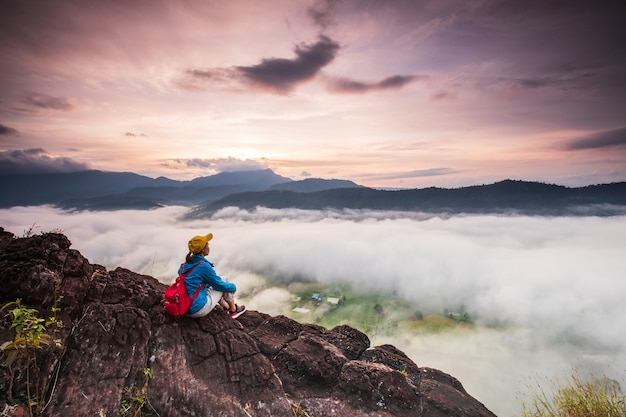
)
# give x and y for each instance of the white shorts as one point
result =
(212, 299)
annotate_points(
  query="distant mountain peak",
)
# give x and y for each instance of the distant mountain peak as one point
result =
(265, 177)
(310, 185)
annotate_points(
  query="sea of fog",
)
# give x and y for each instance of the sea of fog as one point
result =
(558, 283)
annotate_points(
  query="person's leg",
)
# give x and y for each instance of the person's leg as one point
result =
(234, 309)
(229, 298)
(224, 304)
(213, 297)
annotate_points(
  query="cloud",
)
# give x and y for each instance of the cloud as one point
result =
(217, 164)
(558, 280)
(606, 139)
(418, 173)
(322, 13)
(532, 82)
(282, 75)
(277, 75)
(442, 96)
(131, 134)
(36, 160)
(46, 102)
(344, 85)
(221, 78)
(6, 130)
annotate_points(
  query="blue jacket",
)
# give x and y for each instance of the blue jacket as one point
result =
(202, 273)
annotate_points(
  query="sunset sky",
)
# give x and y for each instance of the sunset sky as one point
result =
(395, 93)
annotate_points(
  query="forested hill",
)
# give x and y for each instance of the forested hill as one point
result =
(98, 190)
(502, 197)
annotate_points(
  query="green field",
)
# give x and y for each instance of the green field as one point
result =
(372, 313)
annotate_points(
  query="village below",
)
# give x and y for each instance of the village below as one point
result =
(373, 313)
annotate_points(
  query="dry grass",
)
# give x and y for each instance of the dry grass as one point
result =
(577, 397)
(298, 411)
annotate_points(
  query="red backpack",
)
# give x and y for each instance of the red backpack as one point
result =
(177, 301)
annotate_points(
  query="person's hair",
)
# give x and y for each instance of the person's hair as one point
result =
(188, 257)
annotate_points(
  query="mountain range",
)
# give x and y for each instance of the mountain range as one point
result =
(99, 190)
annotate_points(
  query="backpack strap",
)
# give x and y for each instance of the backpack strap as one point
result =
(201, 285)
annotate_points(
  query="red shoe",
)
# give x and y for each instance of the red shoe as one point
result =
(238, 312)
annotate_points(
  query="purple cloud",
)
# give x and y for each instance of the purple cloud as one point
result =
(44, 101)
(216, 164)
(418, 173)
(347, 86)
(606, 139)
(36, 160)
(443, 95)
(282, 75)
(279, 75)
(322, 12)
(6, 130)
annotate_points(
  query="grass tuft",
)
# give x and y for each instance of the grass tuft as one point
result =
(577, 397)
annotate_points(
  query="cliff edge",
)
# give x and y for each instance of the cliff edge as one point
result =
(118, 354)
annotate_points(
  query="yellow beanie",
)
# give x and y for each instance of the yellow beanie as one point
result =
(197, 243)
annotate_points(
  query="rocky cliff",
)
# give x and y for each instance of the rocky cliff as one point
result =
(117, 353)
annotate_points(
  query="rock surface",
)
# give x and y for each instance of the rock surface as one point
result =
(118, 351)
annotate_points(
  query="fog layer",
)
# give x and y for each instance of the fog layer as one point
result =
(558, 281)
